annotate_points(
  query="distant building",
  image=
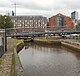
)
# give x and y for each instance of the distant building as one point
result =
(74, 16)
(60, 20)
(29, 21)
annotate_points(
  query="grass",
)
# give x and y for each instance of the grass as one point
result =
(12, 43)
(3, 57)
(15, 42)
(0, 61)
(46, 39)
(12, 65)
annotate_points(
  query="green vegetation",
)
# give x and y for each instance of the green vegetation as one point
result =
(5, 22)
(12, 65)
(3, 57)
(46, 39)
(78, 26)
(12, 43)
(79, 23)
(0, 61)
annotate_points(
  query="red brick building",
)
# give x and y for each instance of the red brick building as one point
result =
(60, 20)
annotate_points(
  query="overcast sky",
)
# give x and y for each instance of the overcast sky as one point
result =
(46, 8)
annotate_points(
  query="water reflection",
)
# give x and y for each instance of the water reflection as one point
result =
(39, 60)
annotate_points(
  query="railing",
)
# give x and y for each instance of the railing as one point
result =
(20, 30)
(13, 31)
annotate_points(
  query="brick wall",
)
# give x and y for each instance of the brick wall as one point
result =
(67, 20)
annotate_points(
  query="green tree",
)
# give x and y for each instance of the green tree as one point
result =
(78, 26)
(5, 21)
(79, 23)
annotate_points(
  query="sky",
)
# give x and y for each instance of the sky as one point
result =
(45, 8)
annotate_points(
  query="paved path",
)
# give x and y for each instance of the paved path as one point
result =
(6, 64)
(5, 67)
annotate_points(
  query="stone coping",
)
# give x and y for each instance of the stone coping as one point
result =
(19, 71)
(72, 44)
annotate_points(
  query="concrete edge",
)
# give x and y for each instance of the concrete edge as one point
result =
(48, 42)
(67, 45)
(70, 46)
(18, 69)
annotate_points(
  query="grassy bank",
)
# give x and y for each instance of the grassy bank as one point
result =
(47, 39)
(12, 43)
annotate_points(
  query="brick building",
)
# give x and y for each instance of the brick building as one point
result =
(29, 21)
(60, 20)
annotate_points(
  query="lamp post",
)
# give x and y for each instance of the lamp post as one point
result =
(5, 38)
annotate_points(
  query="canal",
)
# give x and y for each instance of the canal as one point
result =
(50, 60)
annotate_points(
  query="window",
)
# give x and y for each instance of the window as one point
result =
(25, 20)
(36, 22)
(43, 22)
(30, 20)
(19, 20)
(38, 25)
(59, 21)
(25, 24)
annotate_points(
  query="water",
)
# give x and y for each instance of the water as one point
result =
(39, 60)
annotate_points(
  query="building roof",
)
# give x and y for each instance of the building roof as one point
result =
(59, 14)
(28, 18)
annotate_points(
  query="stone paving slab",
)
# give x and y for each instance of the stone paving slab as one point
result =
(5, 67)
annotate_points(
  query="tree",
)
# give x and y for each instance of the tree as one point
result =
(78, 26)
(5, 23)
(79, 23)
